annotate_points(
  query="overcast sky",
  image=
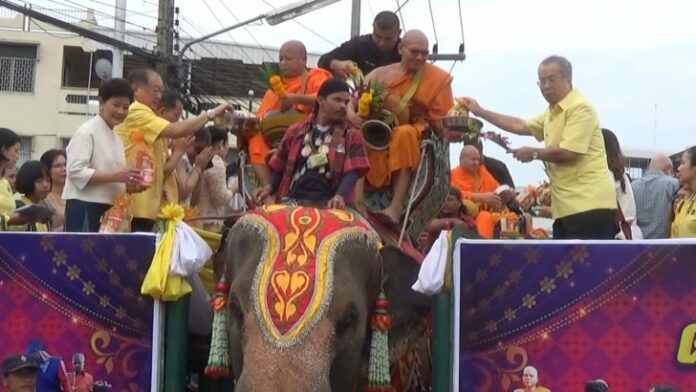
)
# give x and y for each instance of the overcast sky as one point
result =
(627, 55)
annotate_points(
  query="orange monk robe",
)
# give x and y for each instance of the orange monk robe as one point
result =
(429, 105)
(315, 77)
(480, 182)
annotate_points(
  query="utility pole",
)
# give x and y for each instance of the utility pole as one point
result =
(120, 28)
(165, 43)
(85, 32)
(355, 19)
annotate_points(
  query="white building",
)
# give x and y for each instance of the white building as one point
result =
(638, 160)
(45, 78)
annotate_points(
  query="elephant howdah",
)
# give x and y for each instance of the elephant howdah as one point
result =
(303, 285)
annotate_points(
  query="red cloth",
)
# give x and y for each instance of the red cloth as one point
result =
(347, 145)
(297, 268)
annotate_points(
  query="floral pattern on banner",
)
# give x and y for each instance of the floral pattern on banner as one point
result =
(80, 293)
(576, 312)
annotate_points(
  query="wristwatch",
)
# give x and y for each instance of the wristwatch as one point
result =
(211, 114)
(535, 155)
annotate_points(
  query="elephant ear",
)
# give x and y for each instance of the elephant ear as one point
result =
(219, 256)
(409, 309)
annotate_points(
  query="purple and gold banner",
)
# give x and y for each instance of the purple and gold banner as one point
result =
(80, 293)
(571, 312)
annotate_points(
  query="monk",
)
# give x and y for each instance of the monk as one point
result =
(301, 85)
(428, 105)
(478, 189)
(530, 379)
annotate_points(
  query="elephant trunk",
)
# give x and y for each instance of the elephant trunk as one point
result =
(304, 367)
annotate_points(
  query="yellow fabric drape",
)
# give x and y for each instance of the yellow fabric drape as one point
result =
(158, 283)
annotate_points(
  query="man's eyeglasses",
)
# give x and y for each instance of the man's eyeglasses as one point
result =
(551, 80)
(417, 52)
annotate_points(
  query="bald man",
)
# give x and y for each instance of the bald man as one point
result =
(654, 193)
(301, 85)
(530, 379)
(477, 186)
(426, 94)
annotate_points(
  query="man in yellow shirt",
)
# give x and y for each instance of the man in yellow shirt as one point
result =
(147, 88)
(583, 200)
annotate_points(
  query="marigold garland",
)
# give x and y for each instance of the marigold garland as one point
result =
(277, 86)
(364, 104)
(271, 72)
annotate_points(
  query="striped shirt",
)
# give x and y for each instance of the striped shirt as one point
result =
(654, 194)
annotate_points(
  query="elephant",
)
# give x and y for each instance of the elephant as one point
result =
(329, 353)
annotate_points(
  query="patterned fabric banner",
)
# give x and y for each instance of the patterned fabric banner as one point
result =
(80, 293)
(624, 312)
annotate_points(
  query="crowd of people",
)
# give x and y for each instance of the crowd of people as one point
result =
(77, 186)
(138, 146)
(592, 196)
(38, 370)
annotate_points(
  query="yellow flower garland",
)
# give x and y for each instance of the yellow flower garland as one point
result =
(364, 104)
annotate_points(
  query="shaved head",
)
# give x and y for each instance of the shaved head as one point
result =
(296, 47)
(469, 150)
(470, 159)
(415, 37)
(661, 163)
(413, 50)
(293, 58)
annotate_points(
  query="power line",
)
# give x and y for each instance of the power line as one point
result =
(401, 17)
(204, 71)
(150, 3)
(251, 59)
(432, 20)
(86, 10)
(123, 8)
(134, 13)
(399, 7)
(314, 32)
(369, 6)
(461, 26)
(204, 47)
(72, 8)
(452, 67)
(247, 30)
(205, 95)
(223, 47)
(31, 20)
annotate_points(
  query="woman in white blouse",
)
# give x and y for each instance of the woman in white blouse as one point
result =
(624, 193)
(96, 166)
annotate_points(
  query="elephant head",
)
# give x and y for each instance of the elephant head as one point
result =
(291, 331)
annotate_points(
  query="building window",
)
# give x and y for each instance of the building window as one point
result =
(76, 66)
(17, 65)
(634, 172)
(25, 147)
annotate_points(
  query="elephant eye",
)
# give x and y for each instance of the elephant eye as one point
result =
(347, 321)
